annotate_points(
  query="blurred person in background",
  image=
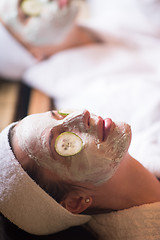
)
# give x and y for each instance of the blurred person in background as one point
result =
(33, 30)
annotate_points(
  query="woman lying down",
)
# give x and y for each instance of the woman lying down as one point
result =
(59, 168)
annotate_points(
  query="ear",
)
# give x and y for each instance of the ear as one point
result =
(76, 202)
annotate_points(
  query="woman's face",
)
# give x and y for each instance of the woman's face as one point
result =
(43, 22)
(105, 144)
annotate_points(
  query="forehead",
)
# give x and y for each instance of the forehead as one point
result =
(38, 120)
(32, 126)
(51, 119)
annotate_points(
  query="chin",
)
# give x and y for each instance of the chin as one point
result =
(118, 141)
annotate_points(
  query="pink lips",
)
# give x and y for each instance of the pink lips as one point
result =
(63, 3)
(106, 128)
(103, 128)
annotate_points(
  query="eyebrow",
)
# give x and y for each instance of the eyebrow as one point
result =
(49, 143)
(11, 136)
(52, 113)
(50, 137)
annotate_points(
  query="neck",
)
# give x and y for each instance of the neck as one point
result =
(131, 185)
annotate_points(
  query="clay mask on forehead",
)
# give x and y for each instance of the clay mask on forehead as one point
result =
(50, 26)
(95, 163)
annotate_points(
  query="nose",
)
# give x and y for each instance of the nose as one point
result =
(78, 120)
(86, 118)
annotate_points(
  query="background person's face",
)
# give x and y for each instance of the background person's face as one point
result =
(50, 26)
(104, 144)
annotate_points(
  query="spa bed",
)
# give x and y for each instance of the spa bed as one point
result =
(16, 101)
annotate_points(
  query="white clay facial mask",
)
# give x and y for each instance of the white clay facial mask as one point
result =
(94, 160)
(47, 23)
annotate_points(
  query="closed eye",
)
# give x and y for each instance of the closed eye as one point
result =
(56, 115)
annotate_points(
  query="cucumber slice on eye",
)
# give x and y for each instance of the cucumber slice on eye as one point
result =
(68, 144)
(63, 113)
(31, 7)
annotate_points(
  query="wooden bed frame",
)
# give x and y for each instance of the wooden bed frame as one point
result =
(16, 101)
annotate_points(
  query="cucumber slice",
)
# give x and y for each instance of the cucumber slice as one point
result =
(31, 7)
(68, 144)
(66, 112)
(63, 113)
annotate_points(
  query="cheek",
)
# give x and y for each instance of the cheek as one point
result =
(85, 164)
(92, 164)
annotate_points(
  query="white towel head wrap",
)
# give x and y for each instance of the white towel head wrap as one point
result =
(24, 203)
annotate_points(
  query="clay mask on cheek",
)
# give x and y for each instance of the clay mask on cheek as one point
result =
(97, 162)
(105, 157)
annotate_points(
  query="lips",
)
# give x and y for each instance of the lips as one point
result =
(63, 3)
(107, 123)
(103, 126)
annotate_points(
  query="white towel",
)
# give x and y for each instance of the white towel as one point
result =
(24, 203)
(14, 58)
(136, 223)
